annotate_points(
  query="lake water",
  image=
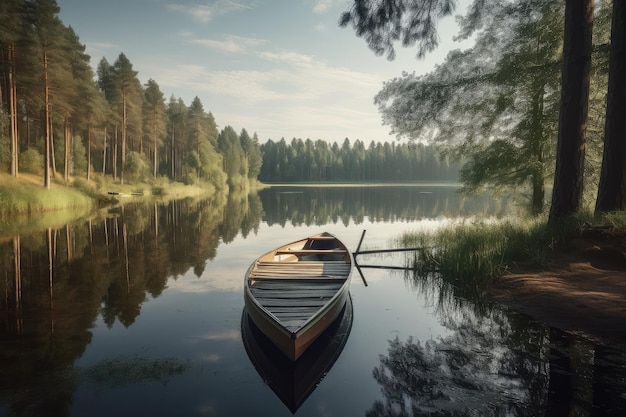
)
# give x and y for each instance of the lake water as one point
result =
(139, 311)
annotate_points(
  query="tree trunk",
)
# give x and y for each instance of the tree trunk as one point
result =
(46, 174)
(115, 139)
(88, 152)
(123, 136)
(66, 151)
(15, 148)
(155, 153)
(570, 152)
(538, 177)
(612, 187)
(104, 153)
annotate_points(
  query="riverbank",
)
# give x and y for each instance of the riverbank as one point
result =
(26, 195)
(25, 205)
(582, 290)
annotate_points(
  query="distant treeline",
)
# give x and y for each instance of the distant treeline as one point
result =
(321, 161)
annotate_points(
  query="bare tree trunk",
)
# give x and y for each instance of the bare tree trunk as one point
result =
(173, 151)
(88, 152)
(15, 148)
(123, 136)
(570, 153)
(115, 154)
(53, 160)
(66, 151)
(538, 177)
(104, 152)
(46, 174)
(612, 187)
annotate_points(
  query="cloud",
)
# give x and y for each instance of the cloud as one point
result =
(98, 48)
(280, 92)
(206, 12)
(287, 57)
(231, 44)
(322, 6)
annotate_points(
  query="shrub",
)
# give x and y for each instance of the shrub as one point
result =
(31, 161)
(137, 167)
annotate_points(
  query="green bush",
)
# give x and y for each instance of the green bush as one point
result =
(79, 156)
(82, 185)
(31, 161)
(137, 168)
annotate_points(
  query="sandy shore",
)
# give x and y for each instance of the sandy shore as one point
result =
(583, 290)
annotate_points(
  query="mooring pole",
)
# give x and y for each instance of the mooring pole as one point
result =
(354, 256)
(360, 241)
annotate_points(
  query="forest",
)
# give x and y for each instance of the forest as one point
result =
(320, 161)
(537, 101)
(59, 117)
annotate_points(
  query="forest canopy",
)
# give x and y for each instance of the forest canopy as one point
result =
(526, 105)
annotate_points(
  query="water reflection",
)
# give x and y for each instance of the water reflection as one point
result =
(323, 205)
(58, 281)
(496, 363)
(293, 382)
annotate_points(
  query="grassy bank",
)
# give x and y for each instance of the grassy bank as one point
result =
(26, 195)
(25, 205)
(472, 254)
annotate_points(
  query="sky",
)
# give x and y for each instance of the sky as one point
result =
(278, 68)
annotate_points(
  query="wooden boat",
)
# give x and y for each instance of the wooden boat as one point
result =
(294, 381)
(293, 293)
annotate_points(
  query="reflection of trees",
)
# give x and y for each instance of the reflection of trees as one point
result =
(495, 363)
(468, 373)
(107, 266)
(323, 205)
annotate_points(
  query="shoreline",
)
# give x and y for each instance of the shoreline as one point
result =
(582, 291)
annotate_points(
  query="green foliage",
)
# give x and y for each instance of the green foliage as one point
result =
(384, 22)
(468, 255)
(211, 166)
(471, 253)
(5, 141)
(496, 104)
(31, 161)
(137, 167)
(23, 197)
(616, 220)
(318, 161)
(79, 156)
(82, 185)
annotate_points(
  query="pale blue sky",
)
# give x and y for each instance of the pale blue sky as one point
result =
(281, 68)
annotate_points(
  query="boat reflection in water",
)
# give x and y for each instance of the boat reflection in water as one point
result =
(294, 381)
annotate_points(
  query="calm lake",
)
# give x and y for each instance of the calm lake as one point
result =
(139, 311)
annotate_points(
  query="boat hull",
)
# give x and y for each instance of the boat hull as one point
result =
(292, 294)
(294, 381)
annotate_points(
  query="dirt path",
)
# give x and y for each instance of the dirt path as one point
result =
(583, 290)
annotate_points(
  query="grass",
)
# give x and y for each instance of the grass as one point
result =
(472, 254)
(27, 195)
(26, 205)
